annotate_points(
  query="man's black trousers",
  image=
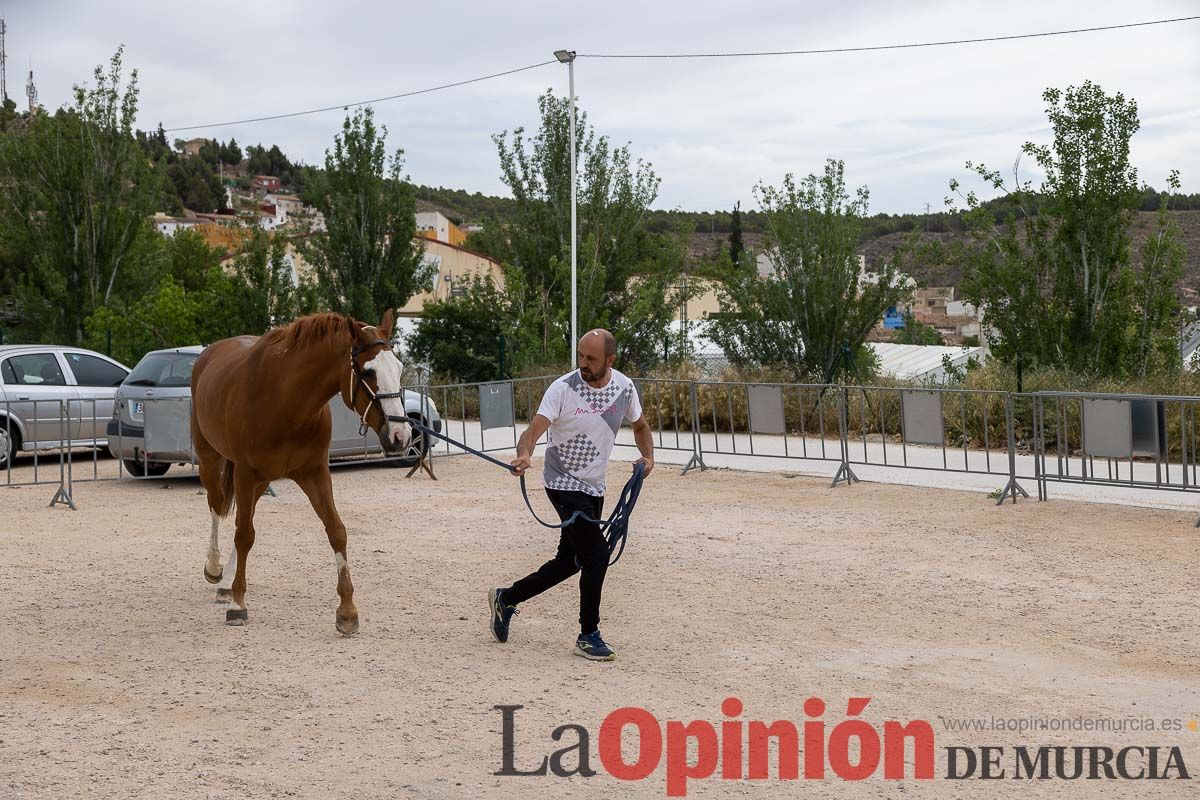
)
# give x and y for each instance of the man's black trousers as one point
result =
(581, 548)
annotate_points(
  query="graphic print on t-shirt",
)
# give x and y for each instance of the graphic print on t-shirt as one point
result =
(583, 427)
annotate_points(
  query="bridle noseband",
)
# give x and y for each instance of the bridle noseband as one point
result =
(361, 380)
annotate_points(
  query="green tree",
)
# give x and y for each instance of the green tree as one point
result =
(210, 152)
(259, 163)
(230, 153)
(8, 114)
(196, 184)
(366, 260)
(263, 290)
(917, 332)
(815, 304)
(1164, 256)
(617, 269)
(78, 193)
(460, 336)
(1054, 277)
(190, 259)
(164, 317)
(736, 248)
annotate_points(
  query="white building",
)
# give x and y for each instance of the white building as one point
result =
(921, 362)
(286, 205)
(268, 221)
(766, 263)
(168, 225)
(436, 223)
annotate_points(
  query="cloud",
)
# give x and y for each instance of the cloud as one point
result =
(904, 120)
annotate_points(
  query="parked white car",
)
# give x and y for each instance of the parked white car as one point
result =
(38, 383)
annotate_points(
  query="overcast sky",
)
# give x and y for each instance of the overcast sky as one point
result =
(904, 121)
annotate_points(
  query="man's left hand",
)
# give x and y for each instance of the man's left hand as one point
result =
(648, 464)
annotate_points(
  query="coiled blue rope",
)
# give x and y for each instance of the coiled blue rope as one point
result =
(616, 527)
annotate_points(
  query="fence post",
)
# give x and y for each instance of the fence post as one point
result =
(1012, 488)
(63, 495)
(425, 459)
(844, 473)
(697, 459)
(1039, 447)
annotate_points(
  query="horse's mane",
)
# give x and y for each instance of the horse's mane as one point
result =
(307, 331)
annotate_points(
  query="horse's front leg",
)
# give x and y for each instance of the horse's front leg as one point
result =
(318, 486)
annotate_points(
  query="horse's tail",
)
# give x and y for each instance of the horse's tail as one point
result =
(222, 503)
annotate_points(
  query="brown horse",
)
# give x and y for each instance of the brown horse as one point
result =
(260, 413)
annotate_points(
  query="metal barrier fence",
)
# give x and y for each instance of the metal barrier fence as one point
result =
(967, 431)
(39, 426)
(1139, 441)
(791, 420)
(148, 439)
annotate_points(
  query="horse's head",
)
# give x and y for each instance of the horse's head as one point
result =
(373, 386)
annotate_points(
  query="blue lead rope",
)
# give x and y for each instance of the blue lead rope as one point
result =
(616, 527)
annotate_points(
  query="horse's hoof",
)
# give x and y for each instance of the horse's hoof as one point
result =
(236, 616)
(224, 596)
(347, 625)
(213, 578)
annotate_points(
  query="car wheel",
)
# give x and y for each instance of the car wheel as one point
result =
(10, 443)
(141, 469)
(416, 450)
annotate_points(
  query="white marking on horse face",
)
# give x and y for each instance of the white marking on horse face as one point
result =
(389, 373)
(339, 561)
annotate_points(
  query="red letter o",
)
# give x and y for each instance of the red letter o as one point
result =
(649, 743)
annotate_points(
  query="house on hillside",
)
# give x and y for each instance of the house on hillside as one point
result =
(192, 146)
(169, 226)
(269, 218)
(932, 299)
(265, 183)
(287, 204)
(438, 227)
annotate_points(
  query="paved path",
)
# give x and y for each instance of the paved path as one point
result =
(871, 461)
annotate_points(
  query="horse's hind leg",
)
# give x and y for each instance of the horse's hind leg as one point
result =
(216, 475)
(247, 489)
(318, 486)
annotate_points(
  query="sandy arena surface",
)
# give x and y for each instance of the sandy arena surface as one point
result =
(119, 678)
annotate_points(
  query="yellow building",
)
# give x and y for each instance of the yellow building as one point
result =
(705, 301)
(455, 268)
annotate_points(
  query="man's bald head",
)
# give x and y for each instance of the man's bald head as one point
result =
(609, 341)
(597, 352)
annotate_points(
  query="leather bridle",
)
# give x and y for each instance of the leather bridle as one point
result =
(360, 379)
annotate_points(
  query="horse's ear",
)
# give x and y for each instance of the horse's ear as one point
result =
(350, 326)
(385, 324)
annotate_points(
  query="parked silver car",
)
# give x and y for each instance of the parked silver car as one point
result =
(159, 390)
(39, 382)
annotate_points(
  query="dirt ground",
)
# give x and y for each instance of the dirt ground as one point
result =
(119, 678)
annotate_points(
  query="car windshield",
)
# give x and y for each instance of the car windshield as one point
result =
(163, 369)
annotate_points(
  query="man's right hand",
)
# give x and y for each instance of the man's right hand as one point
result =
(520, 464)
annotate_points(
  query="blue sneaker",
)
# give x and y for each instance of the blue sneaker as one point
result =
(501, 613)
(592, 647)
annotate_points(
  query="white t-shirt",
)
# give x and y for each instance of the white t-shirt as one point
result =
(583, 427)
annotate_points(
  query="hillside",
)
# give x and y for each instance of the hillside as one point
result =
(880, 248)
(883, 235)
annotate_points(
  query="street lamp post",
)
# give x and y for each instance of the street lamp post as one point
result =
(568, 57)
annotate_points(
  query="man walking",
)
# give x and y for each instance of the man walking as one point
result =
(583, 411)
